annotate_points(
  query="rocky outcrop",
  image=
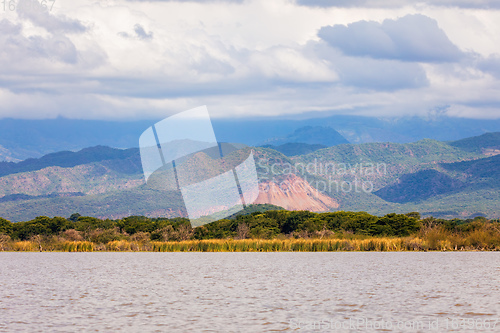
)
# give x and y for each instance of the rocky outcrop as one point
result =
(294, 193)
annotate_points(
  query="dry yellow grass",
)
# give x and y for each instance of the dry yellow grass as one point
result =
(295, 245)
(24, 246)
(77, 246)
(431, 239)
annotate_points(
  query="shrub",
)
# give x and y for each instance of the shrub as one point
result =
(72, 235)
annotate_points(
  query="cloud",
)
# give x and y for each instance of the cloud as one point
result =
(474, 111)
(481, 4)
(33, 11)
(410, 38)
(140, 33)
(201, 1)
(131, 59)
(490, 65)
(351, 3)
(62, 48)
(378, 74)
(18, 50)
(289, 65)
(9, 28)
(369, 73)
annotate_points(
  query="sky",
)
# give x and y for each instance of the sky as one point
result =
(121, 60)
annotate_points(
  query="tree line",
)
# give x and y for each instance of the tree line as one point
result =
(270, 224)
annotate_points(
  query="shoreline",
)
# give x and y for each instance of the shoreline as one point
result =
(373, 244)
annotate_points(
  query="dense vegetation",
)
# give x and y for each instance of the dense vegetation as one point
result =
(477, 143)
(270, 230)
(418, 186)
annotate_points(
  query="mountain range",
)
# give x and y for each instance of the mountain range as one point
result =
(444, 179)
(21, 139)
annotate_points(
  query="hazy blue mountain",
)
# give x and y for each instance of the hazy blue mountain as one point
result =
(35, 138)
(69, 159)
(312, 135)
(21, 139)
(296, 148)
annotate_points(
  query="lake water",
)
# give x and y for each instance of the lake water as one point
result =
(250, 292)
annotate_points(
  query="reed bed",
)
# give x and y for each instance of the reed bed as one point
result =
(77, 247)
(428, 241)
(313, 245)
(23, 246)
(287, 245)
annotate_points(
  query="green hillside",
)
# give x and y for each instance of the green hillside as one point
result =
(137, 201)
(296, 148)
(482, 168)
(420, 152)
(478, 143)
(462, 177)
(419, 186)
(467, 188)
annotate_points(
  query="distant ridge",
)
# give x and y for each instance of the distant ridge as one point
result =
(482, 168)
(20, 197)
(478, 174)
(24, 138)
(312, 135)
(68, 159)
(296, 148)
(479, 143)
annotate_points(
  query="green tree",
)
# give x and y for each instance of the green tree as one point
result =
(396, 225)
(5, 226)
(295, 219)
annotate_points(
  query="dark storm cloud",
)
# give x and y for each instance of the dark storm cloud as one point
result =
(410, 38)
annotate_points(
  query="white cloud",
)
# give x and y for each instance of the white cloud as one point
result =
(410, 38)
(132, 59)
(490, 65)
(33, 54)
(39, 15)
(484, 4)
